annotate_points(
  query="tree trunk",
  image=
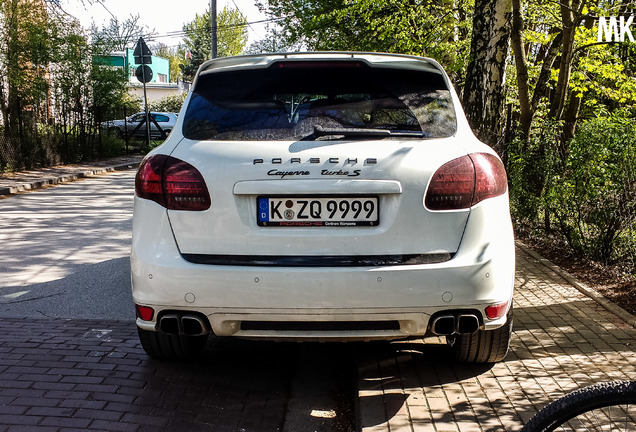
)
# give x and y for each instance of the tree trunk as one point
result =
(527, 105)
(570, 118)
(484, 94)
(546, 70)
(571, 18)
(4, 109)
(521, 65)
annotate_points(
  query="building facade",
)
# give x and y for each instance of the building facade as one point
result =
(158, 87)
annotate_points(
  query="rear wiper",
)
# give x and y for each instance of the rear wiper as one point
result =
(343, 133)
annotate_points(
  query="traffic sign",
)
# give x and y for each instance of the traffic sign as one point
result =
(144, 73)
(142, 53)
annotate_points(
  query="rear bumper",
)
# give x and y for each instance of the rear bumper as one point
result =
(360, 302)
(330, 326)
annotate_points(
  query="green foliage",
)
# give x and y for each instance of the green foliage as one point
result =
(24, 56)
(531, 167)
(602, 73)
(109, 90)
(435, 29)
(588, 193)
(130, 104)
(108, 85)
(595, 197)
(169, 103)
(175, 58)
(231, 38)
(53, 95)
(577, 177)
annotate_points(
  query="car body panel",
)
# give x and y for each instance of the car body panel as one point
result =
(405, 225)
(220, 263)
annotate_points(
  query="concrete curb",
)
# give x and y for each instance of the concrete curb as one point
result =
(65, 178)
(583, 288)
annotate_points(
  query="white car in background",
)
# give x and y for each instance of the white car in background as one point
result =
(323, 196)
(135, 125)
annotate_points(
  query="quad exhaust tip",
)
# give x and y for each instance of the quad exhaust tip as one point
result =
(449, 324)
(184, 324)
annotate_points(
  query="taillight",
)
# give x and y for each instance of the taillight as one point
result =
(452, 186)
(465, 181)
(172, 183)
(490, 177)
(148, 179)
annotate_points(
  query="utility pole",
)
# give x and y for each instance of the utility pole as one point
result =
(213, 27)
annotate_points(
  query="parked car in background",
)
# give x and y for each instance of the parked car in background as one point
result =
(325, 197)
(133, 127)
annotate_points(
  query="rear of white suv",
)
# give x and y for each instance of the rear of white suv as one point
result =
(322, 196)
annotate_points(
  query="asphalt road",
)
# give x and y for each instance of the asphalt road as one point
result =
(64, 250)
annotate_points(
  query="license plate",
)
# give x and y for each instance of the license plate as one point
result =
(321, 212)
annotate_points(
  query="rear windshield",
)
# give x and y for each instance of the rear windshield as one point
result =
(290, 101)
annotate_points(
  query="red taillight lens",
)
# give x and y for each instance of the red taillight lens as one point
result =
(465, 181)
(452, 186)
(295, 64)
(490, 177)
(172, 183)
(184, 187)
(148, 179)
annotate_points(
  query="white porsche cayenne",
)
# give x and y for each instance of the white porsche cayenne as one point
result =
(323, 196)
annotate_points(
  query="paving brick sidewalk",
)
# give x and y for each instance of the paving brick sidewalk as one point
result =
(12, 183)
(562, 340)
(79, 375)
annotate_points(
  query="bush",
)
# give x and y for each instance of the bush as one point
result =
(531, 166)
(168, 103)
(594, 199)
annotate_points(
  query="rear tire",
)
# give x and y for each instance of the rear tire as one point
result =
(164, 346)
(483, 346)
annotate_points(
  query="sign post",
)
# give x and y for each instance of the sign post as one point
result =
(143, 57)
(213, 28)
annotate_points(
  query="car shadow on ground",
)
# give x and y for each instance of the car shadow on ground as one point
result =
(387, 371)
(235, 385)
(254, 386)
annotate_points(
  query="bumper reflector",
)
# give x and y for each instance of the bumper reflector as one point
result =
(144, 312)
(497, 311)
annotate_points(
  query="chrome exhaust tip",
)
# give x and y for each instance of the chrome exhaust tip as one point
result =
(443, 325)
(184, 325)
(170, 324)
(467, 324)
(193, 325)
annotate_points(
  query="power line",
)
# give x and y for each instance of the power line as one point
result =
(179, 33)
(239, 11)
(107, 10)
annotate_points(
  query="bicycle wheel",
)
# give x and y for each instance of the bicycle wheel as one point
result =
(600, 407)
